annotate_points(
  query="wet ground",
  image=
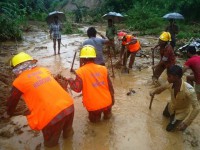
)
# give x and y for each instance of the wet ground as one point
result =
(133, 126)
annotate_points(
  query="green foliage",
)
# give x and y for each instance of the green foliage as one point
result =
(145, 19)
(67, 28)
(11, 19)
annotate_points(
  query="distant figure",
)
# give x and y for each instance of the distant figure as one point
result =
(110, 34)
(172, 28)
(193, 63)
(55, 33)
(132, 46)
(97, 43)
(94, 82)
(183, 106)
(167, 57)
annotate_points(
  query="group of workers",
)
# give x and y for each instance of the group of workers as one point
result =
(51, 108)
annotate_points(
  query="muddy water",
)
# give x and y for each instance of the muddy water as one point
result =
(133, 125)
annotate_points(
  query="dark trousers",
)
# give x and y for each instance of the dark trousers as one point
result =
(158, 71)
(51, 133)
(173, 122)
(127, 53)
(95, 116)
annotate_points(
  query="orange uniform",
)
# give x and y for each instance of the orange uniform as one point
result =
(36, 85)
(96, 94)
(131, 47)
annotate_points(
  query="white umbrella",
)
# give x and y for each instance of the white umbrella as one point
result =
(173, 15)
(60, 15)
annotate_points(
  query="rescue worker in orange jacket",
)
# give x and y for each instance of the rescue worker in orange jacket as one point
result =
(51, 108)
(93, 80)
(133, 46)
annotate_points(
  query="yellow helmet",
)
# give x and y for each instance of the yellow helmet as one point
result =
(88, 51)
(165, 36)
(20, 58)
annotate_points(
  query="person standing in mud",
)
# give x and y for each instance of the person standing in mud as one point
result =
(167, 57)
(132, 47)
(97, 43)
(184, 106)
(110, 34)
(172, 28)
(50, 107)
(55, 33)
(193, 64)
(94, 82)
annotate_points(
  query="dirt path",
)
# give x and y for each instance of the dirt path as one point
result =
(133, 125)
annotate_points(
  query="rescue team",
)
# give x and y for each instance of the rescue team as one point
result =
(51, 108)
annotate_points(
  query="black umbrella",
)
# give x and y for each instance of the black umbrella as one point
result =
(116, 17)
(173, 15)
(60, 15)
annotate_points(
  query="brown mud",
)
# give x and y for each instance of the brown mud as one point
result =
(132, 126)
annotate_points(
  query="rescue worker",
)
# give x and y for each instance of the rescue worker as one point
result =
(51, 108)
(110, 34)
(167, 57)
(93, 80)
(193, 64)
(123, 44)
(183, 106)
(133, 46)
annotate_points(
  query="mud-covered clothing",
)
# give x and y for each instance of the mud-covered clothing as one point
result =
(62, 122)
(95, 116)
(173, 30)
(167, 55)
(185, 105)
(194, 64)
(96, 86)
(55, 29)
(36, 87)
(111, 32)
(167, 59)
(98, 44)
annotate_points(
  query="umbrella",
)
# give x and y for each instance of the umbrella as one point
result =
(173, 16)
(116, 17)
(50, 17)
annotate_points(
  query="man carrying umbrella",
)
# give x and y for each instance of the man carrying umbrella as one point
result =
(55, 29)
(173, 29)
(110, 34)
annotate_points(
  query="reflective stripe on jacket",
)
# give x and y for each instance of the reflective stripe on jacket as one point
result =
(44, 97)
(96, 94)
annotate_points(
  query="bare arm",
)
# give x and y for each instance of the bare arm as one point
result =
(76, 85)
(13, 100)
(159, 89)
(185, 68)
